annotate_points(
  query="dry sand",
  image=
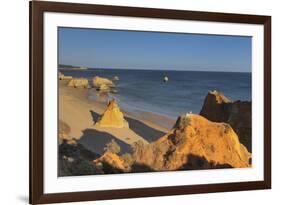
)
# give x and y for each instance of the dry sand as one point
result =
(80, 113)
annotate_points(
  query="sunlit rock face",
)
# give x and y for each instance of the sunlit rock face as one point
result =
(112, 163)
(112, 117)
(195, 143)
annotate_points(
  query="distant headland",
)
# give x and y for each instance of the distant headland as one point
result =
(71, 67)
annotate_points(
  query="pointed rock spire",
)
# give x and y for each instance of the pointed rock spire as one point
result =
(112, 117)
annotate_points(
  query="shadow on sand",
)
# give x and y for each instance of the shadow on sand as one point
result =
(96, 141)
(95, 116)
(148, 133)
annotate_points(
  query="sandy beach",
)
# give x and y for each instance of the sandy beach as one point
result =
(80, 113)
(98, 136)
(135, 102)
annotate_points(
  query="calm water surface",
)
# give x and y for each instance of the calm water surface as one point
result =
(144, 90)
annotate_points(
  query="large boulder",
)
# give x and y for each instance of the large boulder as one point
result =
(112, 117)
(238, 114)
(194, 143)
(98, 82)
(78, 83)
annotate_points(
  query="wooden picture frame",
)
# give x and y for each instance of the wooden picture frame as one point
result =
(37, 9)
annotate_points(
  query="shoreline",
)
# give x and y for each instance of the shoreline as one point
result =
(144, 69)
(184, 93)
(150, 117)
(109, 139)
(80, 113)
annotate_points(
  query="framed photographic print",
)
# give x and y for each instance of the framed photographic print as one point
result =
(138, 102)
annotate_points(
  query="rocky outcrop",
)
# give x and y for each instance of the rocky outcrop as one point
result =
(216, 107)
(103, 85)
(194, 143)
(240, 120)
(110, 162)
(75, 159)
(219, 108)
(63, 77)
(112, 117)
(78, 83)
(99, 82)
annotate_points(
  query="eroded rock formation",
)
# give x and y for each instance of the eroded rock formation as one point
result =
(112, 117)
(110, 162)
(216, 107)
(78, 83)
(195, 143)
(99, 81)
(219, 108)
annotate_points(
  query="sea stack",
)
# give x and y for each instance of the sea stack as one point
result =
(113, 117)
(99, 81)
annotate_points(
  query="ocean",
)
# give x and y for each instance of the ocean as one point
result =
(185, 91)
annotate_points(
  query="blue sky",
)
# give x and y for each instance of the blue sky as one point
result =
(97, 48)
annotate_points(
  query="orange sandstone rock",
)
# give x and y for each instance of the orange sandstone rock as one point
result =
(78, 83)
(112, 160)
(216, 107)
(238, 114)
(195, 143)
(112, 117)
(99, 81)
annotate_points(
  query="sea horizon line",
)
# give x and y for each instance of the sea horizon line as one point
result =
(145, 69)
